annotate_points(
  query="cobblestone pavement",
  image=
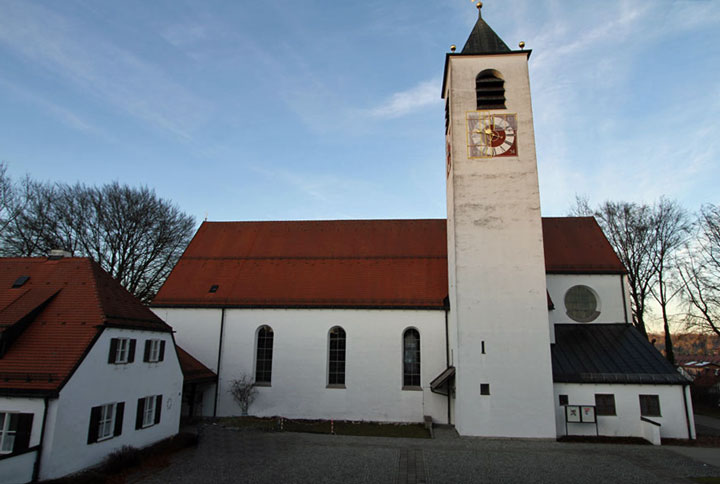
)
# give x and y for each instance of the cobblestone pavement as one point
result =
(252, 456)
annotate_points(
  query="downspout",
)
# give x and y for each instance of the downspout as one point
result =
(447, 358)
(38, 456)
(685, 389)
(622, 291)
(220, 345)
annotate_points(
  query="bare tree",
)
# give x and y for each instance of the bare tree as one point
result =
(134, 235)
(243, 391)
(700, 272)
(670, 228)
(629, 229)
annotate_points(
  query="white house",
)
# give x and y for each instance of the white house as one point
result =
(85, 369)
(494, 320)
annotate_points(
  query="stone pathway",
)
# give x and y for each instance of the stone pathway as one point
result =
(250, 456)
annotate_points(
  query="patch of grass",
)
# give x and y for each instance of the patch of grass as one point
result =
(592, 439)
(341, 427)
(706, 480)
(701, 441)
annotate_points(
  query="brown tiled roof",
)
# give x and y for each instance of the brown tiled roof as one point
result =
(346, 263)
(349, 263)
(577, 245)
(80, 299)
(193, 370)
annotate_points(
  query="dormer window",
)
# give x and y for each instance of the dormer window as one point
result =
(490, 90)
(20, 281)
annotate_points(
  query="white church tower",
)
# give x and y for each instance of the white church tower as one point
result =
(498, 320)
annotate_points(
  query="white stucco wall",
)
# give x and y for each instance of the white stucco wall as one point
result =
(96, 382)
(19, 469)
(626, 423)
(607, 287)
(373, 374)
(496, 260)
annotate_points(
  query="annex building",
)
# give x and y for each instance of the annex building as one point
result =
(495, 320)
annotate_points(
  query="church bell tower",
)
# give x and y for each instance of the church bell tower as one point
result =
(498, 319)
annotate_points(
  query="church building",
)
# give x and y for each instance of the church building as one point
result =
(494, 320)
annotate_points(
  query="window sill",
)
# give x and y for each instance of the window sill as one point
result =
(335, 385)
(262, 384)
(147, 426)
(412, 388)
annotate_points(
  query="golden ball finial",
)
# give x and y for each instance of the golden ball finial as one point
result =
(521, 45)
(479, 5)
(452, 48)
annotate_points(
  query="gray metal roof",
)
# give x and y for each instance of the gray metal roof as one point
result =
(484, 40)
(608, 353)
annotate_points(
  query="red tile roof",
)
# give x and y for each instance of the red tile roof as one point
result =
(577, 245)
(347, 263)
(80, 299)
(193, 370)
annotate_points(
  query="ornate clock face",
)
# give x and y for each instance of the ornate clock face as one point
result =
(490, 135)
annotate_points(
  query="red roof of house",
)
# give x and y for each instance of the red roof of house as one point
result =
(346, 263)
(193, 370)
(54, 317)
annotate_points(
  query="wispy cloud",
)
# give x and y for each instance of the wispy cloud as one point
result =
(114, 76)
(408, 101)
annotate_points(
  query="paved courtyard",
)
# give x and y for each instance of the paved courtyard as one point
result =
(252, 456)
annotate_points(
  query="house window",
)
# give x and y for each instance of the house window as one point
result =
(154, 350)
(411, 358)
(490, 90)
(106, 421)
(336, 357)
(605, 404)
(15, 431)
(263, 360)
(122, 350)
(650, 406)
(148, 411)
(563, 400)
(581, 304)
(484, 389)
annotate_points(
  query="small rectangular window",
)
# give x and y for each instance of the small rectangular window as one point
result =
(122, 350)
(148, 411)
(154, 350)
(605, 404)
(484, 389)
(650, 406)
(106, 421)
(563, 399)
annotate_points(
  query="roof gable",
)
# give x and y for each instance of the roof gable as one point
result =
(64, 305)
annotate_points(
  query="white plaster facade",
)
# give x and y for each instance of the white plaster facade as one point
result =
(610, 291)
(373, 369)
(676, 420)
(496, 265)
(65, 447)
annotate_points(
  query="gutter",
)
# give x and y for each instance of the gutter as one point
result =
(447, 358)
(220, 346)
(38, 456)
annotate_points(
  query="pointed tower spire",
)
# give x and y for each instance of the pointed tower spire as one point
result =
(483, 39)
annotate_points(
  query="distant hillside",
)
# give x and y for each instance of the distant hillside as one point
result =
(689, 343)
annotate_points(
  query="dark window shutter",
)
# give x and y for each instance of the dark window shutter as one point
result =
(113, 350)
(161, 357)
(119, 413)
(94, 424)
(146, 355)
(24, 429)
(158, 408)
(140, 412)
(131, 353)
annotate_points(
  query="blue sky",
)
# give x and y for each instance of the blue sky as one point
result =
(325, 109)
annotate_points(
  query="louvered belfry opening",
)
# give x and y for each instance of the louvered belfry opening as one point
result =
(490, 89)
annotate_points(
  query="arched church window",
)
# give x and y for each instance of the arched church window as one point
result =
(263, 357)
(582, 304)
(490, 90)
(411, 358)
(336, 357)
